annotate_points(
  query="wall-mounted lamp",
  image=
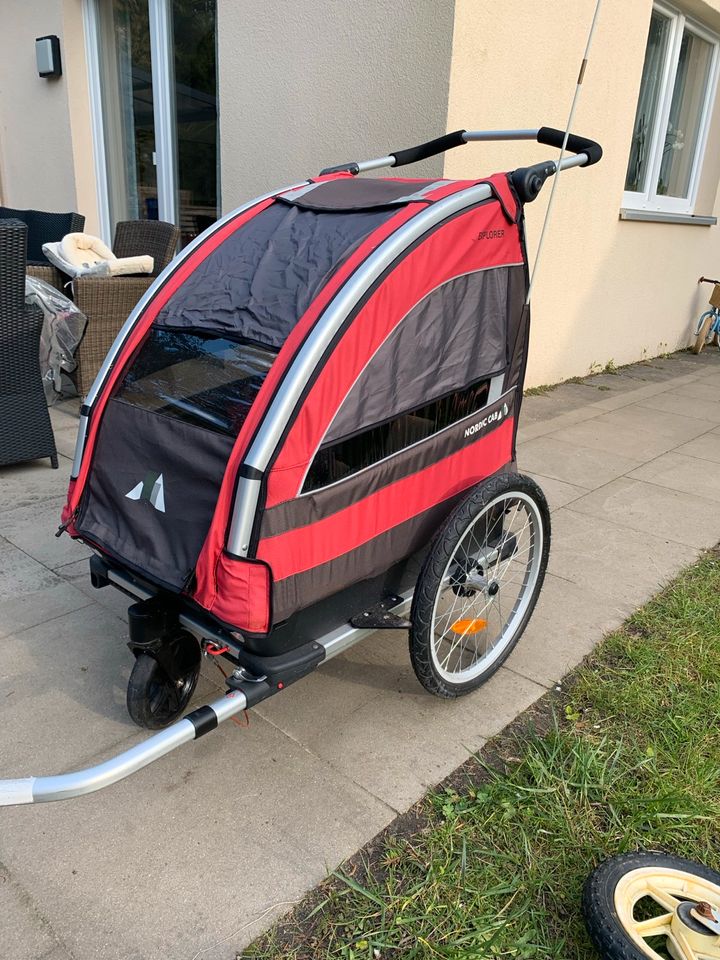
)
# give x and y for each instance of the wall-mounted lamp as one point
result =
(47, 56)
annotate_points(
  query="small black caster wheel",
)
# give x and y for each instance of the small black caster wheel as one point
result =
(157, 695)
(655, 905)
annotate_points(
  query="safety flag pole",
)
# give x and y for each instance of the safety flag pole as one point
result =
(568, 128)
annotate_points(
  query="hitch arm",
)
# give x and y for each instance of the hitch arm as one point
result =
(66, 785)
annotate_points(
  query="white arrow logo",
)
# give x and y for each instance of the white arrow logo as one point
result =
(151, 488)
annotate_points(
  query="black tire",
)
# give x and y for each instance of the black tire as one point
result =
(603, 924)
(440, 555)
(154, 699)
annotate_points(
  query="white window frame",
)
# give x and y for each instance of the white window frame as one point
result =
(650, 200)
(161, 59)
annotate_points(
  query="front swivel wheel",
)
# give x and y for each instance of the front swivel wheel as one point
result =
(160, 687)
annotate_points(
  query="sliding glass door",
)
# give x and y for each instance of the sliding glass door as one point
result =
(155, 111)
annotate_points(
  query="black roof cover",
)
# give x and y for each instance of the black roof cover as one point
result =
(262, 278)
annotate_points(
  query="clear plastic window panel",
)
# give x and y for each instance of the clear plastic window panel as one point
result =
(205, 380)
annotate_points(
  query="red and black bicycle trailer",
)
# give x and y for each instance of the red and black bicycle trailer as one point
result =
(306, 431)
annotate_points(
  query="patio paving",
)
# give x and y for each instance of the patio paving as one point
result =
(193, 856)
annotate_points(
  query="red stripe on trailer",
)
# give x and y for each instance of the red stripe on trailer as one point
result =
(141, 327)
(444, 255)
(291, 553)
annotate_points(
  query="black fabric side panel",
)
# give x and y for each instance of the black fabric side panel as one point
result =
(368, 560)
(311, 507)
(350, 193)
(263, 277)
(453, 337)
(152, 490)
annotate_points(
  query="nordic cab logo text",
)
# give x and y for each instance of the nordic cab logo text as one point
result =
(495, 417)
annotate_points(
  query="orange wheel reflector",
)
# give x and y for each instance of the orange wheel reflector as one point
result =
(468, 626)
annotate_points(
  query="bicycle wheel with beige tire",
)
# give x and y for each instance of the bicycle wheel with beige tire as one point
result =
(655, 905)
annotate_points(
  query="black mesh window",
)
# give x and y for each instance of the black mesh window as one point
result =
(207, 380)
(345, 457)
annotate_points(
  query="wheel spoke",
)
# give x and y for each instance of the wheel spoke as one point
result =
(683, 947)
(655, 926)
(665, 899)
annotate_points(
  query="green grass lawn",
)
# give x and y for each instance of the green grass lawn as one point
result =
(492, 865)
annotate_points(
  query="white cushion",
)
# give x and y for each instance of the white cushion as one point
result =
(84, 250)
(122, 265)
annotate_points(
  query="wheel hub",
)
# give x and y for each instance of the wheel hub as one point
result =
(698, 926)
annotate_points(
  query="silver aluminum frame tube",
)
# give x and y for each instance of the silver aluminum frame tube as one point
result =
(129, 324)
(283, 405)
(66, 785)
(376, 164)
(471, 136)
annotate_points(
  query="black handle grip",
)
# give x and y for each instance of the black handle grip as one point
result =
(555, 138)
(429, 149)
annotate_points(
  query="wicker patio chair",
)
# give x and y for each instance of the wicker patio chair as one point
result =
(25, 428)
(44, 227)
(108, 301)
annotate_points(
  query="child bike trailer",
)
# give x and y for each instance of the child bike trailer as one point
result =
(305, 431)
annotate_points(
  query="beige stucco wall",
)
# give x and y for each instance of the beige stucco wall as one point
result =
(46, 158)
(607, 289)
(306, 85)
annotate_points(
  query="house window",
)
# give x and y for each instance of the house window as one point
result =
(673, 114)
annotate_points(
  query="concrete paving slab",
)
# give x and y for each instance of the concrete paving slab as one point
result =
(649, 372)
(688, 406)
(65, 437)
(25, 484)
(677, 471)
(561, 399)
(41, 606)
(586, 549)
(557, 492)
(68, 674)
(710, 373)
(702, 390)
(704, 447)
(32, 528)
(403, 740)
(563, 630)
(678, 517)
(574, 463)
(636, 432)
(20, 574)
(26, 934)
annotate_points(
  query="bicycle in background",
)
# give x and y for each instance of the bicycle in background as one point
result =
(708, 326)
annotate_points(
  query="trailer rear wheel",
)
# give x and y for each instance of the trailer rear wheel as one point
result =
(156, 699)
(479, 585)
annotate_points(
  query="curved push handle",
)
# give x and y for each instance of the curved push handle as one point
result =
(575, 144)
(429, 149)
